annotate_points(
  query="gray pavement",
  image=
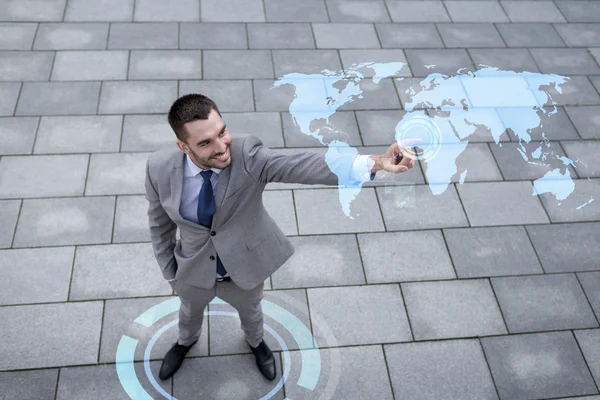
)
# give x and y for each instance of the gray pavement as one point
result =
(484, 292)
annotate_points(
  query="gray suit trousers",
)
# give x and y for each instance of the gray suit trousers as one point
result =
(194, 300)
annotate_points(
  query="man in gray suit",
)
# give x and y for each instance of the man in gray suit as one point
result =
(211, 189)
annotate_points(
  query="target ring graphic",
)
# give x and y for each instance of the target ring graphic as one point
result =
(311, 360)
(422, 127)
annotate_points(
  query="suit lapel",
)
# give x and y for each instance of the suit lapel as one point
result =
(222, 186)
(177, 186)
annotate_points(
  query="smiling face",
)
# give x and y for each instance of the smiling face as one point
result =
(208, 142)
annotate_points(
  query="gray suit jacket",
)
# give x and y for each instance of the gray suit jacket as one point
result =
(248, 241)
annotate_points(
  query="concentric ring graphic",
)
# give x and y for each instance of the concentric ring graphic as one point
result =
(310, 360)
(416, 126)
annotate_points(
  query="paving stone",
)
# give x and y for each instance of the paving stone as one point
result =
(351, 59)
(578, 206)
(131, 220)
(212, 36)
(165, 64)
(538, 366)
(147, 133)
(232, 11)
(79, 134)
(227, 337)
(100, 10)
(530, 34)
(448, 62)
(385, 259)
(357, 11)
(305, 61)
(493, 203)
(543, 303)
(483, 252)
(565, 61)
(157, 11)
(9, 93)
(90, 65)
(280, 36)
(442, 310)
(17, 36)
(470, 35)
(417, 35)
(96, 267)
(9, 211)
(105, 379)
(400, 207)
(345, 36)
(459, 365)
(514, 167)
(237, 64)
(379, 127)
(517, 60)
(58, 98)
(566, 247)
(23, 385)
(230, 95)
(17, 135)
(342, 123)
(50, 335)
(329, 260)
(579, 35)
(32, 10)
(119, 317)
(133, 97)
(32, 281)
(358, 315)
(353, 380)
(143, 35)
(588, 340)
(55, 176)
(270, 98)
(532, 11)
(71, 36)
(418, 11)
(590, 281)
(266, 126)
(595, 52)
(580, 11)
(294, 11)
(476, 11)
(65, 221)
(25, 65)
(280, 205)
(117, 173)
(585, 152)
(381, 95)
(596, 82)
(319, 212)
(206, 378)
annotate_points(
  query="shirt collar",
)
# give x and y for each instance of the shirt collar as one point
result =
(194, 170)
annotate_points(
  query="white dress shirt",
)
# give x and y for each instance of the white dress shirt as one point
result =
(193, 180)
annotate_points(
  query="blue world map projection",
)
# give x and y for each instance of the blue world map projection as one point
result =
(443, 111)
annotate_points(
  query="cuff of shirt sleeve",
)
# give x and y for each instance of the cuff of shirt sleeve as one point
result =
(361, 168)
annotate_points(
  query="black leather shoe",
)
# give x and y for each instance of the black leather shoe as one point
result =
(173, 360)
(265, 360)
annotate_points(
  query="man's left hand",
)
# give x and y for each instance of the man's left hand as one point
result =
(399, 157)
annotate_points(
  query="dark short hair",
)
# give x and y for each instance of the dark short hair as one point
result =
(188, 108)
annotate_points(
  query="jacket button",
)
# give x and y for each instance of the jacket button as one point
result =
(213, 233)
(212, 257)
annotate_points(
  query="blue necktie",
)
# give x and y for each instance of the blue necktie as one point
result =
(206, 209)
